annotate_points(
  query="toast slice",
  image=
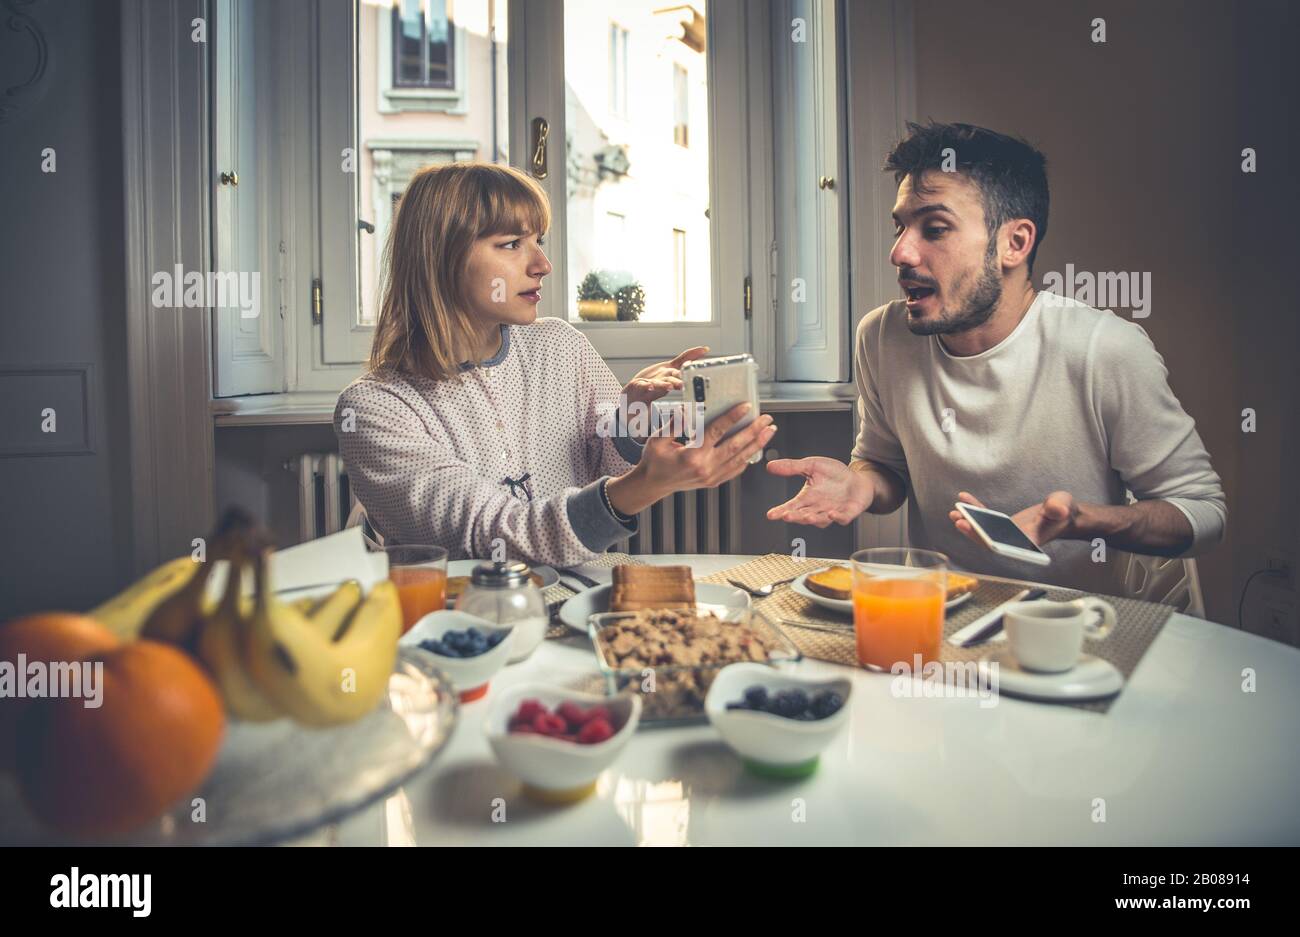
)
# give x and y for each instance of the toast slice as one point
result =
(834, 583)
(640, 587)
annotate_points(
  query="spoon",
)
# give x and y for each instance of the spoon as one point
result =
(761, 592)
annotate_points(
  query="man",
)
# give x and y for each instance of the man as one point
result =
(979, 388)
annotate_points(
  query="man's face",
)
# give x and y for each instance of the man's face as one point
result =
(946, 262)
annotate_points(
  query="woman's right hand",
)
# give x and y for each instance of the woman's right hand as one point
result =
(667, 466)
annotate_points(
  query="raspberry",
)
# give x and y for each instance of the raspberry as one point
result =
(522, 728)
(594, 713)
(572, 713)
(549, 724)
(595, 732)
(529, 709)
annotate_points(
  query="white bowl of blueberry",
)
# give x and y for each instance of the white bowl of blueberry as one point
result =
(468, 649)
(777, 722)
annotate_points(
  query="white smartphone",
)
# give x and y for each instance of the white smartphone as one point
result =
(1001, 535)
(712, 386)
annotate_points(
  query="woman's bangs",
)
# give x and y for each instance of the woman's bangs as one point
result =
(512, 206)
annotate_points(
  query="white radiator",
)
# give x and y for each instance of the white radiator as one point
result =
(704, 521)
(324, 497)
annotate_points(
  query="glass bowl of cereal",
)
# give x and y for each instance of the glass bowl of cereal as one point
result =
(670, 657)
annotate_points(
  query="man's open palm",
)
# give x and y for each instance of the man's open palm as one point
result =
(832, 492)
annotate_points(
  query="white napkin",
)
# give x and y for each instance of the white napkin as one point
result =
(319, 564)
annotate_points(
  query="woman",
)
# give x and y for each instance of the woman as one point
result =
(475, 428)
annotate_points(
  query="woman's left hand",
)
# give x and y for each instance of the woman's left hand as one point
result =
(653, 382)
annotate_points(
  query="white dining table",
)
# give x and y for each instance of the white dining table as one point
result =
(1191, 753)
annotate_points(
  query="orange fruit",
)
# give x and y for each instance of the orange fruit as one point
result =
(110, 769)
(47, 638)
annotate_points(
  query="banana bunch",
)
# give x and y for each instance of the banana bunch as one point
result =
(126, 613)
(330, 666)
(321, 663)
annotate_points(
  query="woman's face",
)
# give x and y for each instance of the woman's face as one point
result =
(504, 278)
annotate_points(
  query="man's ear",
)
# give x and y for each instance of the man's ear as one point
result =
(1021, 235)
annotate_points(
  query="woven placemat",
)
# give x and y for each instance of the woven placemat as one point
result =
(560, 592)
(822, 634)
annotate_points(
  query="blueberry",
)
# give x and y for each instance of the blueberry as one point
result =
(785, 704)
(798, 699)
(496, 638)
(739, 705)
(473, 634)
(827, 704)
(805, 715)
(756, 696)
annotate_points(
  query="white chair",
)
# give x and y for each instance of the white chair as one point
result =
(1163, 580)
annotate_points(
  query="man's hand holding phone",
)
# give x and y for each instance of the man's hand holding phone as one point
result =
(1038, 524)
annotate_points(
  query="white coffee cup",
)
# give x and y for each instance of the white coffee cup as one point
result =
(1048, 636)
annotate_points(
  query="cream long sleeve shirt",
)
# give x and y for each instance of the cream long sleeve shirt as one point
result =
(510, 452)
(1074, 399)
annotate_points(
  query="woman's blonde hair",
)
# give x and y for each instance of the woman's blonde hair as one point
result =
(425, 326)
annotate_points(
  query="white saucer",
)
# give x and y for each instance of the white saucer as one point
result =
(1091, 678)
(709, 597)
(845, 606)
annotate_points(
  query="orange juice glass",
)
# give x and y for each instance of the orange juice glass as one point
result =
(420, 574)
(898, 596)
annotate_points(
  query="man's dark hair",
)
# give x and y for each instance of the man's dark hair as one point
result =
(1010, 174)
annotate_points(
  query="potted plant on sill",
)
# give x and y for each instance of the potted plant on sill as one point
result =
(594, 301)
(631, 301)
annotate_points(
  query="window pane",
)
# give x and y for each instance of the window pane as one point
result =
(439, 75)
(408, 34)
(393, 146)
(636, 197)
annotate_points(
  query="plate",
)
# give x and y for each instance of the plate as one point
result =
(464, 567)
(708, 598)
(1091, 678)
(277, 781)
(845, 606)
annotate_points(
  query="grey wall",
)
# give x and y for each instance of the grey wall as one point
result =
(65, 516)
(1143, 136)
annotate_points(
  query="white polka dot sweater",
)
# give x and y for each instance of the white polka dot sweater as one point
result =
(509, 452)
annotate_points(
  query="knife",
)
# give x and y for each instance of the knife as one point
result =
(585, 580)
(990, 623)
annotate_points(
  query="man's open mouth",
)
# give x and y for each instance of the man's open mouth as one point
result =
(917, 293)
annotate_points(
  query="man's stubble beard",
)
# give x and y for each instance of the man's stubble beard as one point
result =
(977, 309)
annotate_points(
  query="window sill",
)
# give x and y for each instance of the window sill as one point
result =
(293, 409)
(798, 396)
(409, 99)
(308, 408)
